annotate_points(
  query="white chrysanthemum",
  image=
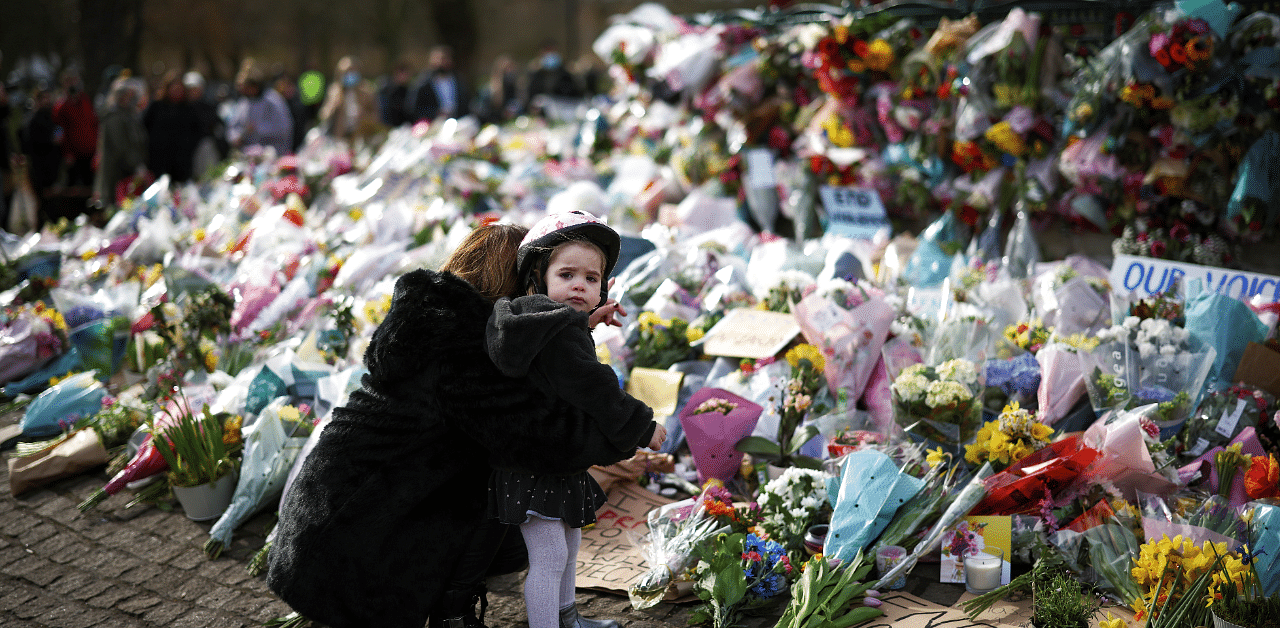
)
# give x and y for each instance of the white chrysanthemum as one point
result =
(1132, 322)
(1168, 350)
(959, 370)
(944, 393)
(910, 387)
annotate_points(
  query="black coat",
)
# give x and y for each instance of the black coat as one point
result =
(371, 527)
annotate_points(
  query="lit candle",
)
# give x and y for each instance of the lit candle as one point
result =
(983, 570)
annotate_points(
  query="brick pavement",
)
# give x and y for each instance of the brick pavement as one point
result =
(143, 567)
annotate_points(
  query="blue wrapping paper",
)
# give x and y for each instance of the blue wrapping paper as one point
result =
(1264, 541)
(871, 489)
(60, 366)
(63, 404)
(1226, 324)
(931, 263)
(1257, 178)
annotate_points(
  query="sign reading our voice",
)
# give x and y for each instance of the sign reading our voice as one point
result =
(1151, 276)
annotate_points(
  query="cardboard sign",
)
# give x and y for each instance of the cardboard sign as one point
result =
(903, 610)
(853, 211)
(1150, 276)
(750, 333)
(608, 558)
(658, 389)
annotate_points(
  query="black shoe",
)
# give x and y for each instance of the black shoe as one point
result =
(569, 618)
(458, 608)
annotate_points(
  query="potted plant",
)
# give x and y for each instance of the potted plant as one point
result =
(798, 401)
(1058, 602)
(199, 452)
(1238, 598)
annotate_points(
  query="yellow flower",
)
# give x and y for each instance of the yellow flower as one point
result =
(1005, 138)
(88, 255)
(879, 55)
(935, 457)
(289, 413)
(1041, 432)
(974, 453)
(1019, 451)
(355, 213)
(231, 430)
(693, 334)
(199, 235)
(1112, 622)
(857, 65)
(649, 320)
(603, 355)
(803, 352)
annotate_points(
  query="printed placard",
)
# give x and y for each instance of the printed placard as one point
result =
(657, 388)
(1227, 422)
(1149, 276)
(750, 333)
(973, 534)
(760, 168)
(854, 212)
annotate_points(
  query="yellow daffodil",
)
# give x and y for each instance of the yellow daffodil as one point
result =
(1112, 622)
(1040, 431)
(693, 334)
(199, 234)
(649, 320)
(935, 457)
(880, 55)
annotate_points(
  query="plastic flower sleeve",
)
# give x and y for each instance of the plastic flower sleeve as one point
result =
(1061, 382)
(1224, 323)
(871, 490)
(964, 501)
(1256, 183)
(63, 404)
(850, 340)
(675, 529)
(1109, 372)
(931, 261)
(1112, 548)
(269, 453)
(1264, 534)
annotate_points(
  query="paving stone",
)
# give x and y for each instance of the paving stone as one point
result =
(53, 544)
(72, 551)
(217, 597)
(12, 554)
(145, 572)
(113, 595)
(244, 605)
(190, 558)
(192, 589)
(15, 598)
(69, 616)
(198, 618)
(117, 562)
(37, 533)
(138, 604)
(165, 613)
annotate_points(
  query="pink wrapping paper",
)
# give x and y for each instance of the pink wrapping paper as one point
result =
(1125, 461)
(250, 301)
(712, 435)
(19, 351)
(1249, 445)
(850, 340)
(1061, 382)
(896, 355)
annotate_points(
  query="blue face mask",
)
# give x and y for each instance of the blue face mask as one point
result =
(350, 79)
(551, 61)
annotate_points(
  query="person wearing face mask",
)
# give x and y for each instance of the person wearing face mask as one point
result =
(261, 116)
(440, 92)
(350, 109)
(549, 79)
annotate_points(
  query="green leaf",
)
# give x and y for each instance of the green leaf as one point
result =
(759, 446)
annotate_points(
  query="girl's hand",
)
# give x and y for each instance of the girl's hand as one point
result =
(607, 314)
(659, 437)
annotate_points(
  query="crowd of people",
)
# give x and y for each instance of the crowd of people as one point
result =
(62, 142)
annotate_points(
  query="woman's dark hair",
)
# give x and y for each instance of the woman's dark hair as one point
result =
(486, 259)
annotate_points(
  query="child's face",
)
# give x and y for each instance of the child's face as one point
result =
(574, 274)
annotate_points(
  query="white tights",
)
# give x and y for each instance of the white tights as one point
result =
(552, 579)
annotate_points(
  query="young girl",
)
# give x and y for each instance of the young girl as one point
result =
(565, 260)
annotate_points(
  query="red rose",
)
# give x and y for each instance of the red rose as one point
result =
(1158, 248)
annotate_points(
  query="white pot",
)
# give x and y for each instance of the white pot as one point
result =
(206, 501)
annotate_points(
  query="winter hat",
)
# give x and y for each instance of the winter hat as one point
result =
(557, 228)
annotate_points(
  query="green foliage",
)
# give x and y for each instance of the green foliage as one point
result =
(194, 450)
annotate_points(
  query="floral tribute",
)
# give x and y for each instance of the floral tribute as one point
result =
(938, 402)
(1015, 435)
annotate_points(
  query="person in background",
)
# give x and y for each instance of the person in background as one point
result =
(211, 143)
(261, 116)
(6, 155)
(173, 130)
(41, 141)
(122, 144)
(499, 99)
(394, 106)
(75, 114)
(288, 88)
(440, 92)
(350, 110)
(549, 78)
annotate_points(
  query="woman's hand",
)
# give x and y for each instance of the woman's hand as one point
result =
(659, 437)
(607, 313)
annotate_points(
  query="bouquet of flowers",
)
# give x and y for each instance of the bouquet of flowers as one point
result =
(737, 573)
(1221, 416)
(1015, 435)
(792, 503)
(827, 594)
(1174, 575)
(798, 401)
(1017, 378)
(30, 336)
(663, 342)
(1133, 456)
(850, 323)
(714, 420)
(939, 403)
(669, 549)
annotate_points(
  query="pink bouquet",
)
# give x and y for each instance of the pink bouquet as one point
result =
(850, 325)
(713, 421)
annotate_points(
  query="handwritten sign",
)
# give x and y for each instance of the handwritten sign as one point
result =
(749, 333)
(903, 610)
(1151, 276)
(657, 388)
(853, 211)
(608, 558)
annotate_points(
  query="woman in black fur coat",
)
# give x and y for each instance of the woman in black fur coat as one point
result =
(385, 522)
